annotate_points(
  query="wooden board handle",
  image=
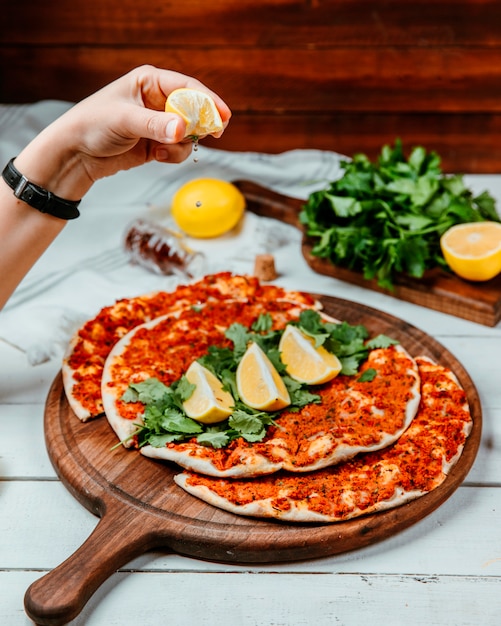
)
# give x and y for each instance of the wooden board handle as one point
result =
(60, 595)
(269, 203)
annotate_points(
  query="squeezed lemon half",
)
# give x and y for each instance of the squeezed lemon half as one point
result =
(303, 361)
(473, 250)
(207, 207)
(258, 382)
(198, 110)
(209, 402)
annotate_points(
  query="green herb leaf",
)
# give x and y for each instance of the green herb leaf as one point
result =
(245, 423)
(381, 341)
(214, 439)
(150, 390)
(254, 437)
(367, 376)
(240, 337)
(174, 421)
(160, 441)
(349, 365)
(184, 388)
(263, 323)
(311, 324)
(299, 394)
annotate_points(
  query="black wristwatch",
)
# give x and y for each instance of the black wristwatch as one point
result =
(38, 197)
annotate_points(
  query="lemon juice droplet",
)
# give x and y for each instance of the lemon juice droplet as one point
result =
(198, 203)
(195, 149)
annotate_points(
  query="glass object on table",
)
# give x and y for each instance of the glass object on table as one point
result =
(161, 250)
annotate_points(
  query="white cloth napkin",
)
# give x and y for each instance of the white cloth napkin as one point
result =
(42, 325)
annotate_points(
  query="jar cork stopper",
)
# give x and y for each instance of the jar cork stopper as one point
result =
(264, 267)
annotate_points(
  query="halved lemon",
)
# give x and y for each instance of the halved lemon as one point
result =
(209, 402)
(207, 207)
(303, 361)
(198, 110)
(473, 250)
(258, 382)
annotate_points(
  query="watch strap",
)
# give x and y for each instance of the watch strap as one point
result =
(38, 197)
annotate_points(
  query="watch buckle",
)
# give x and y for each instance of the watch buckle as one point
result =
(21, 186)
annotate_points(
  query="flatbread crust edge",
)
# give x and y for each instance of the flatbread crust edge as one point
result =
(69, 382)
(69, 373)
(298, 511)
(251, 464)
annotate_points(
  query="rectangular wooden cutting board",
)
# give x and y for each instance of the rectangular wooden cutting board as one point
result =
(437, 290)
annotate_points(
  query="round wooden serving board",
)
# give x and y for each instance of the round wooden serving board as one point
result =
(141, 508)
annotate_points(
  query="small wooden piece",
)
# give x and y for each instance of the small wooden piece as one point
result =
(141, 508)
(438, 290)
(264, 267)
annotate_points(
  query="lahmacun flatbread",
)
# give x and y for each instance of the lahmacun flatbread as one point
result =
(353, 415)
(84, 360)
(165, 347)
(414, 465)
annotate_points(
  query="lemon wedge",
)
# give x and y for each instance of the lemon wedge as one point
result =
(209, 402)
(303, 361)
(473, 250)
(198, 110)
(207, 207)
(258, 382)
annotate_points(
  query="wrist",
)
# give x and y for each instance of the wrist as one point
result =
(38, 197)
(58, 168)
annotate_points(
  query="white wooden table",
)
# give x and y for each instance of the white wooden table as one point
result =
(444, 570)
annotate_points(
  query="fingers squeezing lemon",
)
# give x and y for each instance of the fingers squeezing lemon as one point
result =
(197, 109)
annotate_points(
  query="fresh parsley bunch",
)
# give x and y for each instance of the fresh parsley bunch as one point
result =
(386, 217)
(164, 420)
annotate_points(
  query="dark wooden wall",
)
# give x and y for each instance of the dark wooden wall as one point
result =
(344, 75)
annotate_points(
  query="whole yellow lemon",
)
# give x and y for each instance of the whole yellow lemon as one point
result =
(207, 207)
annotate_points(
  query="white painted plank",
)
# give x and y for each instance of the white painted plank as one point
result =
(462, 537)
(480, 357)
(227, 599)
(23, 453)
(21, 383)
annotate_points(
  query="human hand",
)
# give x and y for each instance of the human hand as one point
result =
(118, 127)
(121, 126)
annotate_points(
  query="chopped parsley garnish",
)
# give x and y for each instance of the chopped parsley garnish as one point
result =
(164, 420)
